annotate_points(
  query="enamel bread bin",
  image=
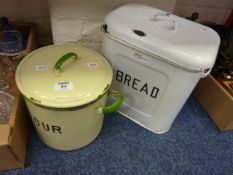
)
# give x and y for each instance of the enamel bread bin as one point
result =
(157, 60)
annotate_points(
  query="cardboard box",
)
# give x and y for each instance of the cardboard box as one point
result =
(216, 101)
(13, 135)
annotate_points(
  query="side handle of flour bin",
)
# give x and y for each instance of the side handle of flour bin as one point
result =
(116, 104)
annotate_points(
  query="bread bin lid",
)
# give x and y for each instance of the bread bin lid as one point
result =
(79, 77)
(174, 39)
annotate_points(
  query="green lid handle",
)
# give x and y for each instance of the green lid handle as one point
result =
(64, 58)
(116, 105)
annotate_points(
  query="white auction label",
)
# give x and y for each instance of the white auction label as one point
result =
(66, 85)
(92, 65)
(42, 67)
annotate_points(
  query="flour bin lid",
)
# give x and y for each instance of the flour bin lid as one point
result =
(79, 77)
(174, 39)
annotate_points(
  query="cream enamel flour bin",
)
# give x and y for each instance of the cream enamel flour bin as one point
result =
(65, 88)
(157, 60)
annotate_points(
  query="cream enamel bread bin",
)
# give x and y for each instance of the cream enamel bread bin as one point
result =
(65, 88)
(157, 60)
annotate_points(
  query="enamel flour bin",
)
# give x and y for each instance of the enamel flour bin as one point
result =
(65, 88)
(157, 58)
